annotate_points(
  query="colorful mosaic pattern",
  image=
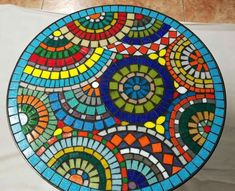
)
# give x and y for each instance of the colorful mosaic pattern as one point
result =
(116, 98)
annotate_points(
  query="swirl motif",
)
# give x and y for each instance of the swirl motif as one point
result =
(116, 98)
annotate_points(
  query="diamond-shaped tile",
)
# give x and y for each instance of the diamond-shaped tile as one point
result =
(144, 141)
(116, 140)
(131, 50)
(168, 159)
(157, 147)
(129, 139)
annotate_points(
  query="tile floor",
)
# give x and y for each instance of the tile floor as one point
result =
(208, 11)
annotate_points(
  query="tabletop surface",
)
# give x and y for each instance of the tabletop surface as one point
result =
(116, 98)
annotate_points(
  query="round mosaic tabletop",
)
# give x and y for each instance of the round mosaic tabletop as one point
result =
(116, 98)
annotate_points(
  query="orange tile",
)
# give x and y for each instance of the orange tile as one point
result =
(116, 140)
(175, 169)
(216, 11)
(157, 147)
(129, 139)
(173, 8)
(24, 3)
(168, 159)
(144, 141)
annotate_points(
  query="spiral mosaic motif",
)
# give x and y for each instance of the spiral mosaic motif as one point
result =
(116, 98)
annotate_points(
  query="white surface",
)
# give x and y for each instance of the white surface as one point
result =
(19, 26)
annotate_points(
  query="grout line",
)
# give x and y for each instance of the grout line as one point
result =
(184, 10)
(42, 4)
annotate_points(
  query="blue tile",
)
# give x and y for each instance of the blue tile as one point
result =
(212, 137)
(90, 11)
(74, 187)
(56, 179)
(183, 174)
(34, 160)
(130, 9)
(166, 185)
(203, 153)
(216, 129)
(191, 168)
(48, 173)
(40, 167)
(157, 187)
(175, 180)
(197, 161)
(98, 9)
(65, 184)
(208, 146)
(23, 145)
(76, 16)
(106, 8)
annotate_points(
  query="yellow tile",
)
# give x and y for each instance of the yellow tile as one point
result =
(199, 81)
(95, 57)
(37, 72)
(89, 63)
(45, 74)
(89, 151)
(99, 30)
(82, 68)
(77, 23)
(68, 150)
(107, 27)
(55, 75)
(59, 154)
(51, 162)
(190, 77)
(108, 174)
(28, 69)
(208, 81)
(57, 33)
(79, 149)
(90, 31)
(153, 56)
(73, 72)
(108, 185)
(64, 74)
(182, 71)
(99, 50)
(115, 16)
(178, 63)
(177, 55)
(104, 163)
(97, 155)
(82, 28)
(113, 22)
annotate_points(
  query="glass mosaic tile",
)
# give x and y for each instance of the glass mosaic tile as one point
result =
(116, 98)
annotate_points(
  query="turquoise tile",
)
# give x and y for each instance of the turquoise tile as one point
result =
(65, 184)
(56, 179)
(166, 185)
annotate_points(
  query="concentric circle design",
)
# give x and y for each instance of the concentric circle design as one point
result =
(188, 66)
(116, 98)
(136, 89)
(36, 117)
